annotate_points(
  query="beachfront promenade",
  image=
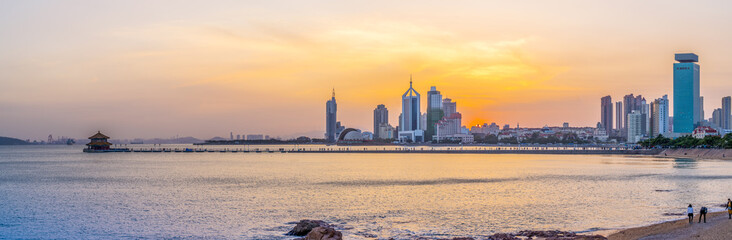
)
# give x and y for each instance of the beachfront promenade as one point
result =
(403, 150)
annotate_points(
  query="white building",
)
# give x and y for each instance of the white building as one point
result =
(703, 131)
(386, 131)
(659, 116)
(635, 126)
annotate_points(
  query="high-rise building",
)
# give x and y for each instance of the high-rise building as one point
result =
(635, 126)
(725, 115)
(686, 93)
(634, 103)
(628, 106)
(434, 98)
(618, 116)
(606, 113)
(409, 125)
(645, 110)
(701, 108)
(386, 131)
(717, 119)
(330, 119)
(659, 116)
(448, 106)
(381, 115)
(434, 112)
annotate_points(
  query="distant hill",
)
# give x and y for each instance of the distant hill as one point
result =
(12, 141)
(182, 140)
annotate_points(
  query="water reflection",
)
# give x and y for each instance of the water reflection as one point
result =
(685, 163)
(254, 196)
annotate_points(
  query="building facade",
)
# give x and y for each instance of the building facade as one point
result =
(449, 107)
(410, 128)
(725, 115)
(386, 131)
(686, 93)
(717, 118)
(618, 116)
(381, 116)
(635, 126)
(606, 113)
(659, 116)
(434, 112)
(330, 119)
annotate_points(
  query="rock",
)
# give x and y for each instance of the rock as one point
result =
(323, 233)
(305, 226)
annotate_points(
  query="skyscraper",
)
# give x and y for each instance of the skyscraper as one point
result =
(434, 112)
(701, 109)
(434, 99)
(725, 114)
(381, 115)
(717, 119)
(635, 126)
(686, 93)
(330, 119)
(631, 103)
(606, 113)
(448, 106)
(645, 110)
(409, 125)
(628, 106)
(618, 116)
(659, 116)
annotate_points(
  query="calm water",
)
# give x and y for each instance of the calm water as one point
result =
(60, 192)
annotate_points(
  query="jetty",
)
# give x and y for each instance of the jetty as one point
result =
(406, 150)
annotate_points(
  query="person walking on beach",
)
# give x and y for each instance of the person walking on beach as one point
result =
(729, 208)
(703, 213)
(690, 211)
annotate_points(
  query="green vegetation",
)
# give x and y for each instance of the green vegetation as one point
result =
(688, 142)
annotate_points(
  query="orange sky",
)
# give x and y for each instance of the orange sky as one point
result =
(166, 68)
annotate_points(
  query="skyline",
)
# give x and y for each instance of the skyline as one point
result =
(205, 70)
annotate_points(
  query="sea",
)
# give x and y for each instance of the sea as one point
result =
(59, 192)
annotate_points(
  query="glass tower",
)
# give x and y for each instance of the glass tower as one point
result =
(330, 119)
(686, 93)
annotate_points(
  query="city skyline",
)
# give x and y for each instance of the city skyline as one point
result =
(211, 69)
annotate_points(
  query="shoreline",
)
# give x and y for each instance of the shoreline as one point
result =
(697, 153)
(718, 226)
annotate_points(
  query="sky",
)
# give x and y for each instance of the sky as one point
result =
(143, 69)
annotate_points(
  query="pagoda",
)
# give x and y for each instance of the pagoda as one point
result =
(98, 143)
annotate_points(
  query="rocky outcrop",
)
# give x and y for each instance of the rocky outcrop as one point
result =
(323, 233)
(305, 226)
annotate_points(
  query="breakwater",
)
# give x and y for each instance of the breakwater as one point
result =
(697, 153)
(420, 150)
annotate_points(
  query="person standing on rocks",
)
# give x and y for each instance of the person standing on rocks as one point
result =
(690, 212)
(729, 208)
(703, 213)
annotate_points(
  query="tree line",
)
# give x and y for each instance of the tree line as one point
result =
(688, 141)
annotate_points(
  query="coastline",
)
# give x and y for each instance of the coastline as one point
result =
(718, 226)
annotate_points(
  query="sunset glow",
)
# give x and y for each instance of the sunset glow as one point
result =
(159, 70)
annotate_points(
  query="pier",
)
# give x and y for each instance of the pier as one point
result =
(402, 150)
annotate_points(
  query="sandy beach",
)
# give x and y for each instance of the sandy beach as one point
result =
(718, 226)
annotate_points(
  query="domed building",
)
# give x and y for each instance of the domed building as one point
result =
(354, 136)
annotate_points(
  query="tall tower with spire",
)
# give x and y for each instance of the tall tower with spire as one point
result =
(330, 118)
(410, 124)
